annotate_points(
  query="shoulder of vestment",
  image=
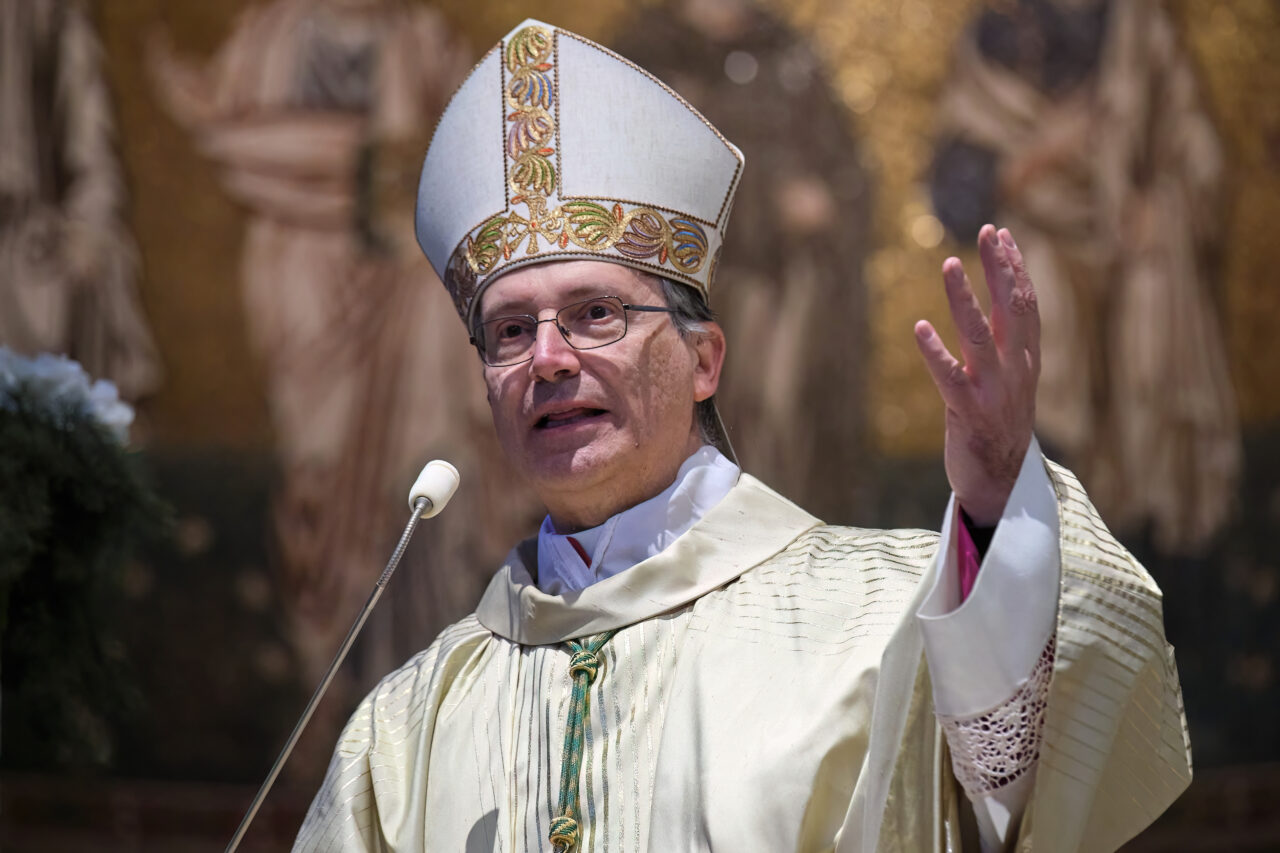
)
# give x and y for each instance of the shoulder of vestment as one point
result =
(906, 550)
(429, 673)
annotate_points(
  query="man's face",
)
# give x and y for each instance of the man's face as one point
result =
(603, 425)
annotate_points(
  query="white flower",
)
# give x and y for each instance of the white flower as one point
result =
(108, 409)
(58, 383)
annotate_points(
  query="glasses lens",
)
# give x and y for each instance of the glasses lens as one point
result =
(507, 340)
(593, 322)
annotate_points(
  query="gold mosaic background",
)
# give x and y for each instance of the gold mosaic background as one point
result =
(886, 58)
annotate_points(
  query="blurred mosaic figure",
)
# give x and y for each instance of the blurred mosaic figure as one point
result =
(68, 265)
(796, 313)
(317, 112)
(1079, 124)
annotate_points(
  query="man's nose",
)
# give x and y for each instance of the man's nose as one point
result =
(553, 358)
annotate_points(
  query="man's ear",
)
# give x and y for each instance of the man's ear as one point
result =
(709, 345)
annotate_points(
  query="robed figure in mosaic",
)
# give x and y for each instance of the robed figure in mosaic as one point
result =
(1080, 124)
(68, 265)
(682, 658)
(797, 312)
(316, 111)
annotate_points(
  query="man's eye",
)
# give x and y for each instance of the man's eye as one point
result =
(601, 310)
(508, 331)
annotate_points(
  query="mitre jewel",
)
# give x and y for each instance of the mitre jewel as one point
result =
(555, 148)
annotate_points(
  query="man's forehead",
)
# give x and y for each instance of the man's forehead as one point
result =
(556, 283)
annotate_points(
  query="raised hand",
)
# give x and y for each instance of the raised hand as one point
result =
(991, 397)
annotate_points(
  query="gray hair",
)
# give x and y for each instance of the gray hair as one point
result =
(690, 314)
(689, 310)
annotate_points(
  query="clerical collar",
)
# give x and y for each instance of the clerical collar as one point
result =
(638, 532)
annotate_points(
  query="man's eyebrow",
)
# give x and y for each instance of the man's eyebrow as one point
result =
(575, 293)
(589, 290)
(507, 309)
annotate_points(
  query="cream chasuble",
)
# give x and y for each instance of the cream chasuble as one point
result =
(766, 690)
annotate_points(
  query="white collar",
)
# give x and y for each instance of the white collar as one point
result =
(751, 524)
(638, 532)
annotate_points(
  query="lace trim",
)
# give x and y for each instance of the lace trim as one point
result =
(995, 748)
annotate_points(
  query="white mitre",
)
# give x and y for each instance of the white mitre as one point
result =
(555, 148)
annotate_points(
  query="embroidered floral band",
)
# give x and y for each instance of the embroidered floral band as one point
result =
(530, 95)
(639, 234)
(630, 232)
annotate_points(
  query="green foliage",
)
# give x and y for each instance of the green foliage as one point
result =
(73, 510)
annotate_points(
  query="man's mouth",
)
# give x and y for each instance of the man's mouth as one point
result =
(568, 417)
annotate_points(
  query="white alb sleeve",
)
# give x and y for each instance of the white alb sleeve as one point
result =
(991, 657)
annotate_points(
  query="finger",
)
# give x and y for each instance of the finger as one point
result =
(1024, 306)
(1010, 335)
(948, 374)
(976, 341)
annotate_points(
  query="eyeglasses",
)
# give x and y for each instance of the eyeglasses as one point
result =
(589, 324)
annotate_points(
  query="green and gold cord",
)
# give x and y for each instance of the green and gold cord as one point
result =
(583, 668)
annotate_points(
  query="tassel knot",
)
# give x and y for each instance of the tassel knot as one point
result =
(587, 662)
(564, 833)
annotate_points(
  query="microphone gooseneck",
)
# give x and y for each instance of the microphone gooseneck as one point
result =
(432, 490)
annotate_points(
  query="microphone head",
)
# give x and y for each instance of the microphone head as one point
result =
(437, 483)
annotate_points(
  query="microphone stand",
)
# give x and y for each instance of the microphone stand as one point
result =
(420, 505)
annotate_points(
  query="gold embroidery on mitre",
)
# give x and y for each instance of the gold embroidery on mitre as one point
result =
(639, 234)
(635, 232)
(530, 91)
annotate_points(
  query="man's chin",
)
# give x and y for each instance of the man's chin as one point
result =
(570, 465)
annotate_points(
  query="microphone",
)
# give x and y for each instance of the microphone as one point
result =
(437, 483)
(431, 491)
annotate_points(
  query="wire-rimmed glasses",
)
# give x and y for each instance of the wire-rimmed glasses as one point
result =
(589, 324)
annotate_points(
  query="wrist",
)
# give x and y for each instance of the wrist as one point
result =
(981, 515)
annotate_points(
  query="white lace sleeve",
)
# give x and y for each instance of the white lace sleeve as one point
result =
(994, 749)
